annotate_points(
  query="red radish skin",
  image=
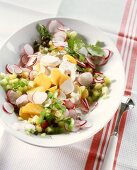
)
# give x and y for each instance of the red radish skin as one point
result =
(39, 97)
(9, 68)
(69, 104)
(31, 61)
(8, 107)
(12, 96)
(81, 64)
(90, 63)
(24, 59)
(85, 103)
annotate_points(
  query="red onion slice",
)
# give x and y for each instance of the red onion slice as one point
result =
(85, 103)
(8, 107)
(90, 62)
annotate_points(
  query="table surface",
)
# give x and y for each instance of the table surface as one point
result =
(118, 20)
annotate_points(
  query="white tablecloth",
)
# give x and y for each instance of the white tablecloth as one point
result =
(118, 19)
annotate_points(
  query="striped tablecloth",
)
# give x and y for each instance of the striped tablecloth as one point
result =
(118, 19)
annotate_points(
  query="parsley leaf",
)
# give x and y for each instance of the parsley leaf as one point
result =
(96, 50)
(43, 31)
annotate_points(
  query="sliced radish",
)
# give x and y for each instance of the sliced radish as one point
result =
(69, 104)
(9, 68)
(17, 69)
(22, 100)
(80, 122)
(98, 80)
(60, 34)
(28, 49)
(90, 62)
(81, 64)
(32, 74)
(60, 44)
(67, 86)
(39, 97)
(31, 61)
(8, 107)
(73, 113)
(24, 69)
(12, 96)
(54, 25)
(49, 60)
(63, 28)
(85, 103)
(24, 59)
(83, 51)
(85, 79)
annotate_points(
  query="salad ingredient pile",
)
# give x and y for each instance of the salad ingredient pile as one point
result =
(57, 81)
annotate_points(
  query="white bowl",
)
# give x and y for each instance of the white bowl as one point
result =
(105, 110)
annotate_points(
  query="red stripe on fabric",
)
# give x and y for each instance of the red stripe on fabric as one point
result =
(127, 39)
(102, 147)
(124, 20)
(93, 150)
(97, 138)
(128, 92)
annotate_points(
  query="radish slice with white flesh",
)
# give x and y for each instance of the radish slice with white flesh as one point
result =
(61, 34)
(33, 74)
(31, 61)
(60, 44)
(69, 104)
(80, 122)
(66, 113)
(28, 49)
(39, 97)
(12, 96)
(49, 60)
(9, 68)
(54, 25)
(24, 59)
(81, 64)
(63, 28)
(67, 86)
(17, 69)
(85, 103)
(85, 79)
(90, 62)
(22, 100)
(83, 51)
(25, 69)
(8, 107)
